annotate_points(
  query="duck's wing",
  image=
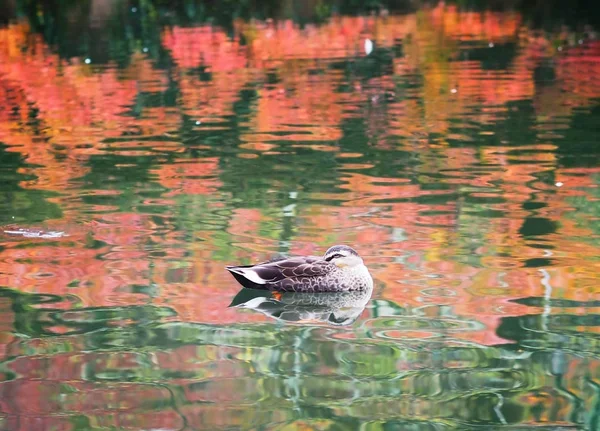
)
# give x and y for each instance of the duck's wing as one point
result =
(295, 267)
(261, 275)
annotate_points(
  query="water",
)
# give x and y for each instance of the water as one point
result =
(459, 157)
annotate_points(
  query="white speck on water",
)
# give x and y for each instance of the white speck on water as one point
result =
(88, 60)
(560, 48)
(198, 123)
(491, 44)
(145, 49)
(454, 90)
(134, 9)
(385, 310)
(399, 234)
(580, 41)
(558, 184)
(289, 210)
(368, 46)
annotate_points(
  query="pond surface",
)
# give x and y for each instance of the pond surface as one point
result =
(457, 152)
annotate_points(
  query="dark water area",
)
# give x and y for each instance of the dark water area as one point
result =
(143, 148)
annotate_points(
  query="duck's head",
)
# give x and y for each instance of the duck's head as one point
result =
(343, 256)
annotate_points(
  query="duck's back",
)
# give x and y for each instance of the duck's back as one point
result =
(288, 275)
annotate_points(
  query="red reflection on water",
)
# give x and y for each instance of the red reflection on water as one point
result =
(81, 111)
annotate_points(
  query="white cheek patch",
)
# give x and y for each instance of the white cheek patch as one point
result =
(346, 261)
(349, 261)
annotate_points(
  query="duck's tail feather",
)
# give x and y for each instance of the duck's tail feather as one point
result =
(247, 277)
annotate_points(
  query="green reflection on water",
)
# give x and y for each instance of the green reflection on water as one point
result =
(290, 373)
(477, 215)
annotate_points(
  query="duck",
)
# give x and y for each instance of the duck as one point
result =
(331, 308)
(340, 269)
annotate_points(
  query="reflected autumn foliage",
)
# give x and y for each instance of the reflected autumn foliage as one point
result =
(190, 177)
(171, 373)
(475, 26)
(307, 81)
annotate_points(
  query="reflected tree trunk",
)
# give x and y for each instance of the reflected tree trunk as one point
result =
(8, 11)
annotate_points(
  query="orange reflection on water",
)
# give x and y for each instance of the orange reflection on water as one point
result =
(477, 26)
(307, 86)
(277, 44)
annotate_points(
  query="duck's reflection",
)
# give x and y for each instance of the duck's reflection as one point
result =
(341, 308)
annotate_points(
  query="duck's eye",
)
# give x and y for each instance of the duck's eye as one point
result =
(333, 256)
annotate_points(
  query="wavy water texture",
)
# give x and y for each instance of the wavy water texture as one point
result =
(458, 156)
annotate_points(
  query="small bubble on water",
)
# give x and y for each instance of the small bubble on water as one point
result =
(580, 41)
(134, 9)
(560, 48)
(145, 49)
(198, 123)
(491, 44)
(88, 60)
(558, 184)
(454, 90)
